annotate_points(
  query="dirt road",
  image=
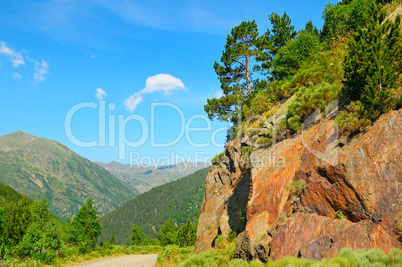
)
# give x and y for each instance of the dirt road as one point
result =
(123, 261)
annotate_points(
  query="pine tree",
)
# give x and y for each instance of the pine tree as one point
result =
(236, 72)
(89, 233)
(136, 235)
(345, 17)
(1, 222)
(185, 235)
(374, 63)
(290, 57)
(195, 227)
(168, 233)
(282, 31)
(112, 239)
(42, 234)
(17, 222)
(311, 28)
(85, 226)
(269, 43)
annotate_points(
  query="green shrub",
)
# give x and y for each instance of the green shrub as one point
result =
(291, 56)
(263, 140)
(371, 257)
(255, 263)
(85, 245)
(150, 242)
(231, 236)
(107, 245)
(293, 261)
(354, 120)
(246, 151)
(217, 158)
(238, 263)
(296, 187)
(230, 251)
(67, 251)
(143, 249)
(210, 258)
(323, 67)
(221, 242)
(174, 254)
(310, 99)
(339, 214)
(261, 102)
(5, 251)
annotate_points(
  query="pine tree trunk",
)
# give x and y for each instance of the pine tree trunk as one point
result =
(248, 84)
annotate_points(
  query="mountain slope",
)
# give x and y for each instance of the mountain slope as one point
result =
(142, 178)
(37, 166)
(179, 200)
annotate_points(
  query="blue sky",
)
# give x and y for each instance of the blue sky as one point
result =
(57, 54)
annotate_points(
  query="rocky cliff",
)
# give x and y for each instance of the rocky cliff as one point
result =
(310, 195)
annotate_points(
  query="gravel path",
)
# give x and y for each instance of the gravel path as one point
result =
(148, 260)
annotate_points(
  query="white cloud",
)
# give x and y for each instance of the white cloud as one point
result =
(162, 83)
(100, 93)
(16, 58)
(93, 56)
(165, 83)
(41, 69)
(17, 76)
(132, 102)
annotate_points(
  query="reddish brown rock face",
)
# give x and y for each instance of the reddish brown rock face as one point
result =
(361, 179)
(227, 190)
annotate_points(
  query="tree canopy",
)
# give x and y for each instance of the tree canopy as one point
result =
(374, 63)
(85, 227)
(136, 235)
(235, 73)
(246, 54)
(168, 233)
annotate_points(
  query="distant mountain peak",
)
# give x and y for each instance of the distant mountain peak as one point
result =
(19, 134)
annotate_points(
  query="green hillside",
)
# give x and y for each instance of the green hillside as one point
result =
(8, 196)
(41, 167)
(179, 200)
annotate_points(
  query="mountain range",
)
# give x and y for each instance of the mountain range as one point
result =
(41, 167)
